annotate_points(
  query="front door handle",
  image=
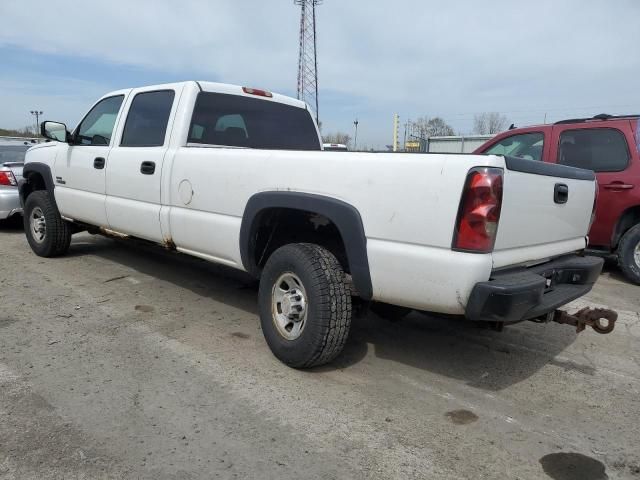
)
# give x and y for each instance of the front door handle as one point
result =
(98, 163)
(617, 185)
(148, 168)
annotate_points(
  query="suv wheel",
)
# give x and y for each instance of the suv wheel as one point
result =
(629, 254)
(305, 305)
(47, 233)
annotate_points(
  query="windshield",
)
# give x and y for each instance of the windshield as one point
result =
(13, 153)
(524, 145)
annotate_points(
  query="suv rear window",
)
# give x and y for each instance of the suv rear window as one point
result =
(237, 121)
(597, 149)
(524, 145)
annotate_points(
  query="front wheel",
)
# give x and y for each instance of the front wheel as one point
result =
(47, 233)
(305, 305)
(629, 254)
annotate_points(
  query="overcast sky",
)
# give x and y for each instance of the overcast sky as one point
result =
(412, 57)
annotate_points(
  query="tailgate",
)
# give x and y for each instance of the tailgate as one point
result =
(546, 211)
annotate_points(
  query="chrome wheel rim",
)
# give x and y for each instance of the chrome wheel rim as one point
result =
(636, 254)
(38, 225)
(289, 305)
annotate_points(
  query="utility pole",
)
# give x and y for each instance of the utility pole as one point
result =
(307, 57)
(406, 125)
(37, 114)
(355, 137)
(396, 120)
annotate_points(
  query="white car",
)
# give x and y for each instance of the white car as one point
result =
(237, 176)
(12, 153)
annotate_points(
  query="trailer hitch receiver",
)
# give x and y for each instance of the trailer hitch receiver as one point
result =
(602, 320)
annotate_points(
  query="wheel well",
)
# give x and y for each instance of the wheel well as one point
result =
(275, 227)
(35, 181)
(628, 219)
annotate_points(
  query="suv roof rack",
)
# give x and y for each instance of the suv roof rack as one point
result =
(602, 116)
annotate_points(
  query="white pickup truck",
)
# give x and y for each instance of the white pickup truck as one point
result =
(237, 176)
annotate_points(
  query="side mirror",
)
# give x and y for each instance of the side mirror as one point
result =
(54, 131)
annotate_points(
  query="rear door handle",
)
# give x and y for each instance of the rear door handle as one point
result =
(147, 168)
(98, 163)
(617, 186)
(560, 193)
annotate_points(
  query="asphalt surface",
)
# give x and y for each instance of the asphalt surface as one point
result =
(121, 361)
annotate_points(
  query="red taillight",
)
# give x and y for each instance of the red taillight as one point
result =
(256, 91)
(479, 211)
(7, 178)
(595, 204)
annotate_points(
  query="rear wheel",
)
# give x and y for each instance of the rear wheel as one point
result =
(47, 233)
(629, 254)
(305, 305)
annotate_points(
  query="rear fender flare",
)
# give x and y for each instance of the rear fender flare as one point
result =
(345, 217)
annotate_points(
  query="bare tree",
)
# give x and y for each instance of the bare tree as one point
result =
(425, 127)
(338, 137)
(488, 123)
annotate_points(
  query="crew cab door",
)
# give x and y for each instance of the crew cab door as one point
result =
(80, 166)
(610, 152)
(135, 165)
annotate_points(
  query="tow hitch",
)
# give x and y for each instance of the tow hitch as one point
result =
(602, 320)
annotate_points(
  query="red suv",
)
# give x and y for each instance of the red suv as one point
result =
(606, 144)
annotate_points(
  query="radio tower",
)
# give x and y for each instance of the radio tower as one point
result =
(307, 58)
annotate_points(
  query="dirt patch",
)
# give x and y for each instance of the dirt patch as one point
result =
(573, 466)
(144, 308)
(6, 321)
(461, 417)
(241, 335)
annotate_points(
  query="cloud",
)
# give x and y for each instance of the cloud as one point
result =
(375, 58)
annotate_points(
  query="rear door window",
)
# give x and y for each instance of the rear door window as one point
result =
(597, 149)
(238, 121)
(524, 145)
(147, 119)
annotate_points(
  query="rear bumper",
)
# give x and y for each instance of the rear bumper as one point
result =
(522, 294)
(9, 202)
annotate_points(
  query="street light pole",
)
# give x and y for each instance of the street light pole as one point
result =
(355, 137)
(37, 114)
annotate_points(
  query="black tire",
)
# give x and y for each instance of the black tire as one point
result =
(57, 235)
(627, 260)
(393, 313)
(328, 305)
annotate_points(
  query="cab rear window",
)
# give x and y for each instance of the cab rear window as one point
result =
(238, 121)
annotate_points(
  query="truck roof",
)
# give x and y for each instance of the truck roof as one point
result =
(226, 88)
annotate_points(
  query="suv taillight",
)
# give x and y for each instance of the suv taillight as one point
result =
(7, 178)
(595, 204)
(479, 211)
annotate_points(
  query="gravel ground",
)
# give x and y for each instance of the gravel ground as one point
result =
(119, 361)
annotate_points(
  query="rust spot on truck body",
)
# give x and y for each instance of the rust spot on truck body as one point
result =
(168, 244)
